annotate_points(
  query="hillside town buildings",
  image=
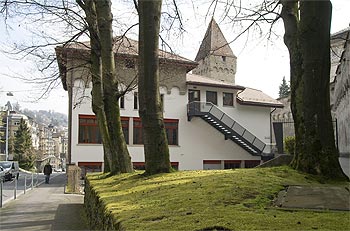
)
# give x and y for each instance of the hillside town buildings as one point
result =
(47, 142)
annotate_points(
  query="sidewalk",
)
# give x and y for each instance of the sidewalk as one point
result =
(45, 208)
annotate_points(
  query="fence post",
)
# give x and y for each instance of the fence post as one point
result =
(15, 190)
(32, 180)
(25, 183)
(1, 184)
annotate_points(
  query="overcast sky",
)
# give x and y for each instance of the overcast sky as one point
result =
(261, 63)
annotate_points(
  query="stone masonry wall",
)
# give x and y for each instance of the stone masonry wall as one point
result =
(99, 218)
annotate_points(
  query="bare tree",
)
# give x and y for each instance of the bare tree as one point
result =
(97, 27)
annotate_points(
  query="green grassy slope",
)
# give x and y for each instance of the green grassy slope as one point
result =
(238, 199)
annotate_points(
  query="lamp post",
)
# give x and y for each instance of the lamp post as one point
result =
(9, 108)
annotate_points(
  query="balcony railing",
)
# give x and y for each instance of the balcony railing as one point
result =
(232, 127)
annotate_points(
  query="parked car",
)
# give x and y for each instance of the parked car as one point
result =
(10, 169)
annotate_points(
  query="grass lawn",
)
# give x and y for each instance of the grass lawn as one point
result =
(238, 199)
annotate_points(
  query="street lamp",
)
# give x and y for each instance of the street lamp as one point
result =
(9, 108)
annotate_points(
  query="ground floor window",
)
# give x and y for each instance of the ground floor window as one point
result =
(251, 163)
(141, 165)
(171, 128)
(232, 164)
(87, 167)
(89, 132)
(211, 164)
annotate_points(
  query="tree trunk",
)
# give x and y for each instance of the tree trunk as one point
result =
(150, 110)
(308, 42)
(105, 86)
(96, 75)
(319, 154)
(121, 161)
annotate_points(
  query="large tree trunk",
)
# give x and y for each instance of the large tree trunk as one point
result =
(319, 154)
(120, 155)
(308, 42)
(105, 85)
(150, 110)
(96, 75)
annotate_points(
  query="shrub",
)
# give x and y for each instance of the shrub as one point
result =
(289, 145)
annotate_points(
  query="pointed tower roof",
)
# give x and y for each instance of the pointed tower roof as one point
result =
(214, 43)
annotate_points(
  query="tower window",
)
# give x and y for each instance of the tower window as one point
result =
(129, 63)
(223, 58)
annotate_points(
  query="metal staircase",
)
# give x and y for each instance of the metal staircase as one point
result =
(227, 126)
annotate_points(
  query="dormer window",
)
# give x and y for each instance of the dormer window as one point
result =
(129, 63)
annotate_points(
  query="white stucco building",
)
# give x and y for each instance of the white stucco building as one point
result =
(211, 122)
(341, 98)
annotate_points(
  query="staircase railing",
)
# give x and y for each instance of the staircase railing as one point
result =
(203, 108)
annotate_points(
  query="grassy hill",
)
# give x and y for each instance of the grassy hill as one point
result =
(240, 199)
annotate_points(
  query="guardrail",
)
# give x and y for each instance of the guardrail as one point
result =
(34, 180)
(197, 108)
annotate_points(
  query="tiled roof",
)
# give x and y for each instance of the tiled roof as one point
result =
(129, 47)
(214, 43)
(205, 81)
(250, 96)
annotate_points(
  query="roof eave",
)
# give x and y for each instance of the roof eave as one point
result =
(61, 67)
(251, 103)
(236, 87)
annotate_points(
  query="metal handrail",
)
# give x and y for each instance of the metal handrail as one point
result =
(197, 108)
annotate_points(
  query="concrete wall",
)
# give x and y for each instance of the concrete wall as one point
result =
(342, 101)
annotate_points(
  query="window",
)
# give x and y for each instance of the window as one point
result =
(231, 164)
(171, 129)
(89, 132)
(251, 163)
(136, 103)
(162, 102)
(121, 102)
(193, 95)
(212, 97)
(211, 164)
(125, 127)
(223, 58)
(137, 137)
(129, 63)
(227, 99)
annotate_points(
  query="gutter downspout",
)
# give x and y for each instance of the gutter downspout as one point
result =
(271, 128)
(70, 108)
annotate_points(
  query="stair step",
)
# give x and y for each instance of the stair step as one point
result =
(230, 134)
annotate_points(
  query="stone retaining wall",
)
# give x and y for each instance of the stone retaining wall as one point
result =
(98, 217)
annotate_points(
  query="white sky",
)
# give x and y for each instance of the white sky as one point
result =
(261, 63)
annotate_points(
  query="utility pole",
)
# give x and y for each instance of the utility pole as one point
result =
(9, 108)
